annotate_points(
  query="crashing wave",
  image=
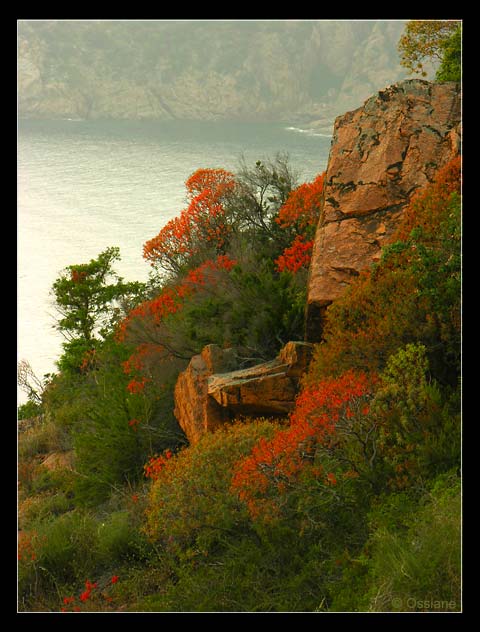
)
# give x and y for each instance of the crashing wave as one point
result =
(308, 132)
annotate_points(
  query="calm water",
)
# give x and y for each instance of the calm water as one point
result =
(84, 186)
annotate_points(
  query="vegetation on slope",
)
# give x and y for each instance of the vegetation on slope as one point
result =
(329, 510)
(351, 504)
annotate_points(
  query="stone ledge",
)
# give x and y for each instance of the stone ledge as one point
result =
(208, 395)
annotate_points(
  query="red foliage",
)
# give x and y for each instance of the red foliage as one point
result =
(156, 464)
(296, 256)
(203, 221)
(86, 595)
(78, 276)
(171, 299)
(88, 590)
(301, 211)
(154, 313)
(26, 546)
(276, 464)
(302, 207)
(425, 205)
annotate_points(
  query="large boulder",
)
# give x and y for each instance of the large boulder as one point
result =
(381, 154)
(213, 390)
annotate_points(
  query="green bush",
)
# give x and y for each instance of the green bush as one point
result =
(252, 307)
(120, 541)
(41, 507)
(419, 569)
(412, 560)
(419, 430)
(191, 508)
(118, 430)
(451, 66)
(65, 550)
(28, 410)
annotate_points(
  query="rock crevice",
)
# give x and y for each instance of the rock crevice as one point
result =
(213, 390)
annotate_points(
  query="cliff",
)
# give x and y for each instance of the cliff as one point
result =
(299, 71)
(381, 154)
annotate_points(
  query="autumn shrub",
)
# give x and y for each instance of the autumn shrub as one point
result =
(299, 214)
(244, 304)
(303, 455)
(261, 213)
(190, 507)
(412, 295)
(201, 230)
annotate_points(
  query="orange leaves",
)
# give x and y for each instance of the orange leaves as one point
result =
(78, 276)
(296, 256)
(301, 212)
(217, 181)
(171, 299)
(166, 303)
(156, 464)
(136, 386)
(302, 207)
(100, 598)
(201, 276)
(203, 222)
(153, 316)
(27, 542)
(276, 465)
(426, 205)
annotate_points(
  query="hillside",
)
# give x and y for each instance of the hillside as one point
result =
(297, 71)
(195, 454)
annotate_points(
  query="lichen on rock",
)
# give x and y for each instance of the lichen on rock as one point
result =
(381, 154)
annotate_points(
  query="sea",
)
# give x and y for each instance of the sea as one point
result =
(83, 186)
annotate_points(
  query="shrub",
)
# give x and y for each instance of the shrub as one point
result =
(302, 456)
(191, 508)
(119, 540)
(202, 230)
(412, 295)
(34, 510)
(28, 410)
(64, 553)
(419, 425)
(112, 429)
(418, 568)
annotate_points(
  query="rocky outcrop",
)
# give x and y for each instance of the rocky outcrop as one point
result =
(381, 154)
(213, 390)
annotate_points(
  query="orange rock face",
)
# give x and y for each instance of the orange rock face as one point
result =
(381, 154)
(212, 390)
